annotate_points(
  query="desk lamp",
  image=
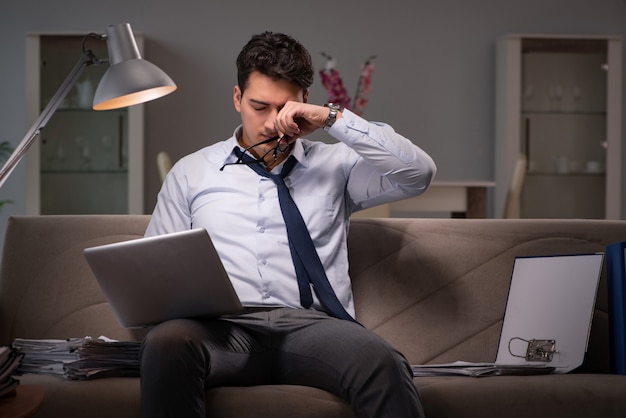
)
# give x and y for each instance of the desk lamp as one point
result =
(129, 80)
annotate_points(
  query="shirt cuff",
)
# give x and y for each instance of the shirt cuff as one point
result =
(349, 128)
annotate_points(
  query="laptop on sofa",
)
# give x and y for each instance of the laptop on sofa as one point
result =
(150, 280)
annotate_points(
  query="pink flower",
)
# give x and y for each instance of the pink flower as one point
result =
(334, 85)
(337, 93)
(364, 86)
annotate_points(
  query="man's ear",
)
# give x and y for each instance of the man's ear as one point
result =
(305, 96)
(237, 93)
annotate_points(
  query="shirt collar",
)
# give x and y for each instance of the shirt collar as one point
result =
(231, 143)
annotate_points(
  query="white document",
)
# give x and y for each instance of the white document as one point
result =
(464, 368)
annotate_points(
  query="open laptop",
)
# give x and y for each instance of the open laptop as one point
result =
(150, 280)
(547, 319)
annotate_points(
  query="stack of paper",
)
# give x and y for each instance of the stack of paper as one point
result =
(46, 356)
(9, 362)
(105, 358)
(79, 358)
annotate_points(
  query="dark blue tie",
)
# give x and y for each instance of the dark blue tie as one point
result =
(308, 266)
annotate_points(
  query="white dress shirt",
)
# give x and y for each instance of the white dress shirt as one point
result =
(370, 165)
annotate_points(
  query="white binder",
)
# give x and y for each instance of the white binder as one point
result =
(549, 311)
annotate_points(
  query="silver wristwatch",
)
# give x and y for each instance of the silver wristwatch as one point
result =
(332, 115)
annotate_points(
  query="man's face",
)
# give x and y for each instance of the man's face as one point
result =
(259, 104)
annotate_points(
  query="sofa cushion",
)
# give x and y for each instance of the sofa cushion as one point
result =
(572, 396)
(119, 398)
(549, 396)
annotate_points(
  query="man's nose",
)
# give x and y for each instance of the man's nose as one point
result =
(270, 121)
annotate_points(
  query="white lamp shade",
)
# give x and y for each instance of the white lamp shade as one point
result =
(130, 79)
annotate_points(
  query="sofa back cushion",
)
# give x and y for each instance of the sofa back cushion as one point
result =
(46, 287)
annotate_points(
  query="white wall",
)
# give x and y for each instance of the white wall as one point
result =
(434, 79)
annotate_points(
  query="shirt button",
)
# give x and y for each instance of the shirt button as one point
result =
(263, 262)
(262, 229)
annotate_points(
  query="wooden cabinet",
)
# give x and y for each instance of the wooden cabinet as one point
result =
(558, 105)
(84, 161)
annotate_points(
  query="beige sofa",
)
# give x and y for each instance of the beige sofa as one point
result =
(435, 288)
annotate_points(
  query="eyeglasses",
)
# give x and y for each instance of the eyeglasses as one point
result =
(282, 146)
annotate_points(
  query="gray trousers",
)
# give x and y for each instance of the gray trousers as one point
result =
(181, 358)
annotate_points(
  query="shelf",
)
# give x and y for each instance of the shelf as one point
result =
(564, 112)
(88, 109)
(572, 174)
(112, 171)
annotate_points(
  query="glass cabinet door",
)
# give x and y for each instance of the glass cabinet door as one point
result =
(83, 152)
(564, 84)
(86, 162)
(558, 109)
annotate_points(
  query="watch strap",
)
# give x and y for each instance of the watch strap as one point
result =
(332, 115)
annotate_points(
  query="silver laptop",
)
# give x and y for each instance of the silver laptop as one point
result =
(150, 280)
(547, 319)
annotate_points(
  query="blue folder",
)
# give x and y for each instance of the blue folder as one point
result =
(616, 285)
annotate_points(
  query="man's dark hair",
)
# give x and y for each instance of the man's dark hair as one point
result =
(277, 56)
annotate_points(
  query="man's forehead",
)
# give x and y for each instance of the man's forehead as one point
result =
(262, 89)
(273, 102)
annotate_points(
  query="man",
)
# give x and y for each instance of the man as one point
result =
(240, 190)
